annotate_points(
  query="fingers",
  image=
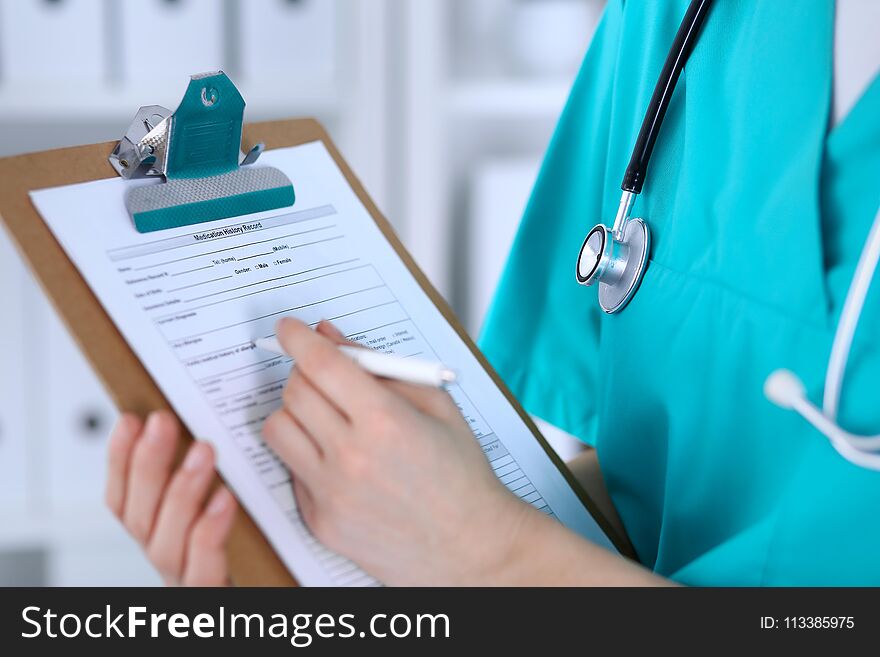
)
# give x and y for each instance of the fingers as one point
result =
(338, 378)
(305, 503)
(166, 511)
(431, 401)
(149, 471)
(122, 442)
(292, 445)
(206, 562)
(329, 331)
(320, 419)
(184, 499)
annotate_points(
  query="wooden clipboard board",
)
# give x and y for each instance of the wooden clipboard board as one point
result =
(252, 560)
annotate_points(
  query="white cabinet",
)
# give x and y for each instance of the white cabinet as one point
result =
(13, 429)
(78, 421)
(166, 41)
(73, 30)
(288, 41)
(103, 555)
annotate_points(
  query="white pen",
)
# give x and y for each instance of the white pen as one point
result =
(411, 370)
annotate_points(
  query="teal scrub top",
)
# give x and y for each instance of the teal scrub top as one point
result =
(759, 211)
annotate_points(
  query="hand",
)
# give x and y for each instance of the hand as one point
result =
(165, 509)
(387, 473)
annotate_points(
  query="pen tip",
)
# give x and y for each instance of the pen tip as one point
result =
(448, 376)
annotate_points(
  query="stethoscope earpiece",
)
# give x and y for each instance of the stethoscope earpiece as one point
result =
(784, 389)
(787, 391)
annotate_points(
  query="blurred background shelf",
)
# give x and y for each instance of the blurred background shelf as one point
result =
(67, 100)
(494, 99)
(442, 107)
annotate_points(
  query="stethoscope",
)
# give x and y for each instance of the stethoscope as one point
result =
(617, 258)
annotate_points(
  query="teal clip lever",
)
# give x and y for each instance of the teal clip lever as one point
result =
(197, 149)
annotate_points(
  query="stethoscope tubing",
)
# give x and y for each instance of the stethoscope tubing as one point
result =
(849, 319)
(682, 46)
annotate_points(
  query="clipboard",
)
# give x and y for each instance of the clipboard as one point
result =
(252, 561)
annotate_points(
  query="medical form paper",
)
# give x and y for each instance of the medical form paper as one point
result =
(190, 301)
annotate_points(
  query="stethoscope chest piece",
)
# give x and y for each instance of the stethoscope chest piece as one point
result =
(616, 257)
(616, 263)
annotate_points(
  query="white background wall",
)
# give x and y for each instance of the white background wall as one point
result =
(443, 108)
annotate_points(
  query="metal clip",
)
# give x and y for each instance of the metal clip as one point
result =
(197, 149)
(141, 151)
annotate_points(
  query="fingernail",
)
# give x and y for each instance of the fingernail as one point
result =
(327, 324)
(151, 430)
(195, 458)
(219, 504)
(124, 429)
